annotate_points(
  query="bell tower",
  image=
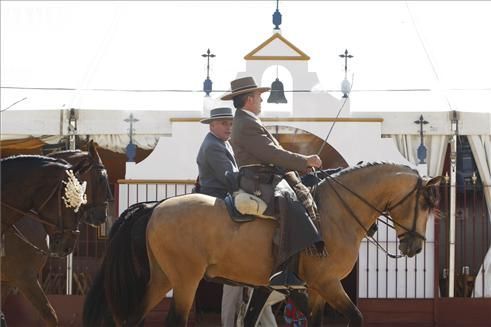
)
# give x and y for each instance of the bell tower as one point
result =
(278, 63)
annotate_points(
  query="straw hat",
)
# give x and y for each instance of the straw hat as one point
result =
(243, 85)
(218, 113)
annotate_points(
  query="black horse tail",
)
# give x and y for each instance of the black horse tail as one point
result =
(120, 284)
(96, 311)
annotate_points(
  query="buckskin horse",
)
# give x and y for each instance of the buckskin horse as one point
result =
(174, 244)
(22, 261)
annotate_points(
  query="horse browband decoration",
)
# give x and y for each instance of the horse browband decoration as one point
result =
(74, 192)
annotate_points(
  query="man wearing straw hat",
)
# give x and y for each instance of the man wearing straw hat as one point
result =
(215, 155)
(268, 171)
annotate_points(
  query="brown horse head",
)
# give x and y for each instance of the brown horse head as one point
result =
(411, 230)
(91, 170)
(375, 189)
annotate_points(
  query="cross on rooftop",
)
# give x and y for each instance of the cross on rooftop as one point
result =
(346, 56)
(208, 55)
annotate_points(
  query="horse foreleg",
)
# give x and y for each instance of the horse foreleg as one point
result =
(32, 290)
(182, 301)
(333, 292)
(6, 289)
(158, 286)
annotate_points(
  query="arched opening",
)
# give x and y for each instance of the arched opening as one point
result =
(285, 76)
(301, 141)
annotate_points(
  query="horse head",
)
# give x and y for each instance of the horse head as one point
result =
(411, 214)
(90, 169)
(370, 190)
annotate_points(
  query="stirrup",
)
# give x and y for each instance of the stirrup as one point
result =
(286, 279)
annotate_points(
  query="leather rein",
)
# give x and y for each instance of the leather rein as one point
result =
(35, 215)
(386, 212)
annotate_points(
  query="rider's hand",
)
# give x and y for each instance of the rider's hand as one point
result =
(314, 161)
(307, 171)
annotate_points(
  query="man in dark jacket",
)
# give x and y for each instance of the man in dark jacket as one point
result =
(215, 155)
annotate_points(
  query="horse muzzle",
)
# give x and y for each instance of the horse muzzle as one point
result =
(62, 244)
(410, 245)
(95, 215)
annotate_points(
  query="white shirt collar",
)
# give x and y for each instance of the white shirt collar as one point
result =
(253, 115)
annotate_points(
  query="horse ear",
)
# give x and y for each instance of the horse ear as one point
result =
(435, 181)
(93, 151)
(82, 166)
(431, 192)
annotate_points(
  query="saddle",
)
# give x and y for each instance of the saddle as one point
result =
(244, 207)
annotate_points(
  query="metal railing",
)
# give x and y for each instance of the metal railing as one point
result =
(426, 275)
(379, 276)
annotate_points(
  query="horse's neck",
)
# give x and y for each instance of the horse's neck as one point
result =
(33, 230)
(375, 185)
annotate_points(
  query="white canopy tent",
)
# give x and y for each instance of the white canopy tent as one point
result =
(408, 56)
(110, 59)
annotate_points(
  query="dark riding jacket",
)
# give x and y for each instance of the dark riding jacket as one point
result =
(215, 157)
(253, 144)
(266, 163)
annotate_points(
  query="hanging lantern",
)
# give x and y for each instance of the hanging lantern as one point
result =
(277, 94)
(345, 88)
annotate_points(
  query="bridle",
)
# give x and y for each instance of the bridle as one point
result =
(91, 205)
(59, 228)
(386, 212)
(60, 231)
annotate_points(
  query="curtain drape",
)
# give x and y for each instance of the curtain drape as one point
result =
(481, 149)
(436, 146)
(118, 143)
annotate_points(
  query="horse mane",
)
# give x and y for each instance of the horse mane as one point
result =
(35, 159)
(67, 152)
(371, 164)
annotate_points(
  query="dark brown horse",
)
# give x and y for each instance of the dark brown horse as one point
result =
(38, 186)
(190, 237)
(22, 262)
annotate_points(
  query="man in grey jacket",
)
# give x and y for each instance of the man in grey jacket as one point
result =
(215, 155)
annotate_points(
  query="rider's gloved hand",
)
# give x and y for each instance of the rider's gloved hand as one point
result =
(314, 161)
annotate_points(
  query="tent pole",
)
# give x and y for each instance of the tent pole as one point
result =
(453, 193)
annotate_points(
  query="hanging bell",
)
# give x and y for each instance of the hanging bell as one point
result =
(277, 94)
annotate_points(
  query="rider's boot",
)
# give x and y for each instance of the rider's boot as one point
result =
(287, 277)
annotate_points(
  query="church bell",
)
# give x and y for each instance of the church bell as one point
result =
(277, 94)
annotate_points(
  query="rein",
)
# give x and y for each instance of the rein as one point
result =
(35, 215)
(22, 237)
(385, 213)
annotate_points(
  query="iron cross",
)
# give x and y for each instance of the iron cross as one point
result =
(208, 55)
(421, 122)
(131, 120)
(346, 56)
(421, 149)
